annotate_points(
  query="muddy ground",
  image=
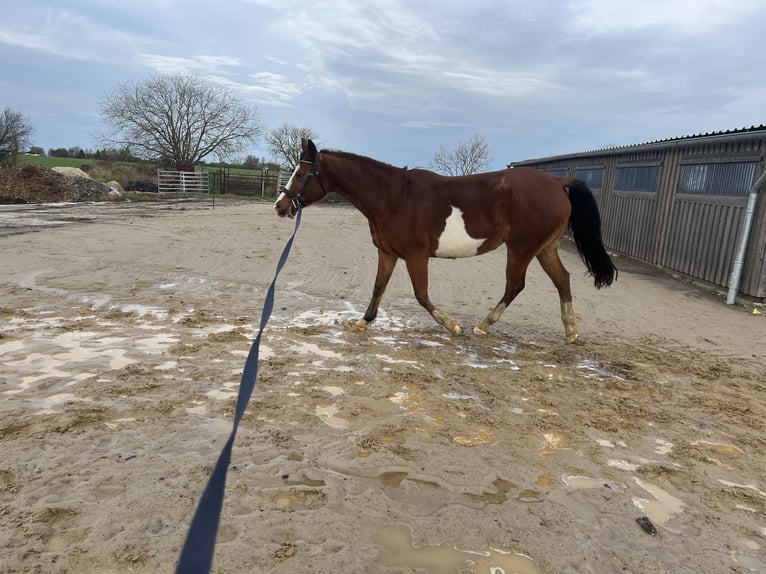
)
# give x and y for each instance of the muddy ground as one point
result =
(124, 329)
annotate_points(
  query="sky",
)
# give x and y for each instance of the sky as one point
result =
(397, 80)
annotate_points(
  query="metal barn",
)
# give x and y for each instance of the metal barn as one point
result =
(695, 205)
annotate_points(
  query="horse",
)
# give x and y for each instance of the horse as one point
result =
(415, 214)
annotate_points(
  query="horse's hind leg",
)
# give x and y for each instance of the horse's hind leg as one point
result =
(418, 270)
(551, 262)
(515, 274)
(386, 264)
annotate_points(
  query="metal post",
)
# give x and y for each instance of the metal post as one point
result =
(739, 259)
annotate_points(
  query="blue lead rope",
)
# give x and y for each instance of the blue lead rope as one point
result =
(199, 547)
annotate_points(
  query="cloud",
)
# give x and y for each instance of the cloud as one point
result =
(535, 75)
(676, 16)
(202, 64)
(67, 33)
(427, 124)
(267, 89)
(31, 41)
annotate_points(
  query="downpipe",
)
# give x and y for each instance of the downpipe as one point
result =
(739, 259)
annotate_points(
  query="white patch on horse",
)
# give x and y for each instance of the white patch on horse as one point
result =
(454, 240)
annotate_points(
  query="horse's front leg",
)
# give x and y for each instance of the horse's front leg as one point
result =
(386, 264)
(418, 270)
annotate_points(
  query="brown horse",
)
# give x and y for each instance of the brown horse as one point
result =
(416, 214)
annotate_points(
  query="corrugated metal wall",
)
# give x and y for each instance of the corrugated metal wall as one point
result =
(691, 222)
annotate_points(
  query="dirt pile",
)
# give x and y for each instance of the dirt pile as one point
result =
(27, 183)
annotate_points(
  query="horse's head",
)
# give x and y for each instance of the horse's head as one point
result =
(304, 186)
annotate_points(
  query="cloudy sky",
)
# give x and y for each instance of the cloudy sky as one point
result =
(396, 80)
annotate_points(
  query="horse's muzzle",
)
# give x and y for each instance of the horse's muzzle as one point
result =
(285, 208)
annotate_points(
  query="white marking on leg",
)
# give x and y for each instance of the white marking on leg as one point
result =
(454, 240)
(568, 318)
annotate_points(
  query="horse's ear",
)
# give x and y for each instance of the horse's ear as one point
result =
(308, 149)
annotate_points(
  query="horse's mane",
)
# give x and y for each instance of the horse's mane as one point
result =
(349, 155)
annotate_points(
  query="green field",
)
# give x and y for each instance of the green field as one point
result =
(54, 161)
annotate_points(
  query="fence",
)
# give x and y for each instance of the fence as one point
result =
(679, 204)
(265, 183)
(183, 182)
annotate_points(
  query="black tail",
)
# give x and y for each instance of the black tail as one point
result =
(585, 224)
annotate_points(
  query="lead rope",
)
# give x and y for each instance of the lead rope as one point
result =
(199, 547)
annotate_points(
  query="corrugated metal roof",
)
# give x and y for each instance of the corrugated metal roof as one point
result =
(648, 145)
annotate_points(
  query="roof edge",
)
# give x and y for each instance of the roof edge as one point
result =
(755, 131)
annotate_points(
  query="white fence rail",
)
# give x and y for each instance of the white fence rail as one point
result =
(183, 182)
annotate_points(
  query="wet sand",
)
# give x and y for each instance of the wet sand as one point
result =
(124, 330)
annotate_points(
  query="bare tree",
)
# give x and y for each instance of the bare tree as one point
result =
(469, 156)
(178, 120)
(285, 144)
(15, 136)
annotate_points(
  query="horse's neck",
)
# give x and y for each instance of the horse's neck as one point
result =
(370, 186)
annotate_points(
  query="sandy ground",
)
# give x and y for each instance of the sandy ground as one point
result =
(124, 330)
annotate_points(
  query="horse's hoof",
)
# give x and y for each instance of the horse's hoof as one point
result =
(571, 338)
(456, 329)
(355, 326)
(478, 331)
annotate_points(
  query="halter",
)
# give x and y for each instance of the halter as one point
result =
(295, 199)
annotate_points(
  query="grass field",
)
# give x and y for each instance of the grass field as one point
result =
(46, 161)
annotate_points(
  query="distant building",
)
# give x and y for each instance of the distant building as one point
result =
(680, 203)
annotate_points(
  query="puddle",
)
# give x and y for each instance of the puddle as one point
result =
(10, 347)
(479, 437)
(303, 481)
(398, 550)
(406, 401)
(662, 507)
(327, 415)
(156, 344)
(622, 464)
(313, 319)
(663, 446)
(167, 366)
(29, 381)
(427, 343)
(47, 404)
(553, 442)
(117, 422)
(391, 360)
(458, 396)
(393, 478)
(344, 369)
(140, 310)
(502, 488)
(592, 370)
(313, 349)
(200, 409)
(583, 482)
